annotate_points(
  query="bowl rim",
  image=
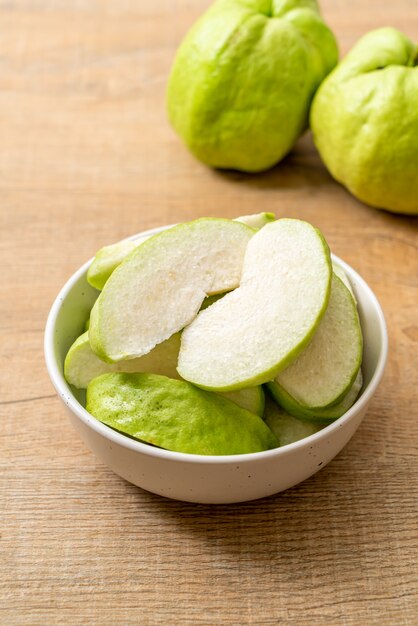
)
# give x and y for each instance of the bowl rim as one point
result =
(64, 391)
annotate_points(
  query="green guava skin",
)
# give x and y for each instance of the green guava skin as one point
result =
(326, 414)
(364, 119)
(107, 259)
(176, 415)
(286, 427)
(244, 77)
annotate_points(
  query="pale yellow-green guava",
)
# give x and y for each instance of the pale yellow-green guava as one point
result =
(364, 118)
(243, 79)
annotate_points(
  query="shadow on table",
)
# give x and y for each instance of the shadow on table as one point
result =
(298, 535)
(302, 167)
(327, 518)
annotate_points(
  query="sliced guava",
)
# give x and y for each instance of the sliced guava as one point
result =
(160, 287)
(326, 369)
(256, 220)
(287, 428)
(251, 398)
(176, 415)
(257, 330)
(343, 276)
(321, 414)
(108, 258)
(82, 365)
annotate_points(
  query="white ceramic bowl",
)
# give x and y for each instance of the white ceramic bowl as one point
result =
(208, 479)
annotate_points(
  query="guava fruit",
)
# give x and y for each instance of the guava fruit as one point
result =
(243, 79)
(321, 376)
(82, 365)
(251, 334)
(161, 285)
(176, 415)
(287, 428)
(364, 119)
(108, 258)
(326, 414)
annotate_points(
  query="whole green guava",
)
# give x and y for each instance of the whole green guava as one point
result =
(364, 119)
(244, 77)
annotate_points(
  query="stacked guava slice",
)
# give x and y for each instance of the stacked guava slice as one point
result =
(194, 323)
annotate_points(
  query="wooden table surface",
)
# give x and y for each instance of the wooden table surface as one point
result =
(87, 157)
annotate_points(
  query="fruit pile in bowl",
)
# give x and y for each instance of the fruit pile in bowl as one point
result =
(214, 352)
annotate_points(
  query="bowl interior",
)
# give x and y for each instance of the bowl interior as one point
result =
(72, 308)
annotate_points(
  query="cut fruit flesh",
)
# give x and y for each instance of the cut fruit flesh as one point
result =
(108, 258)
(160, 287)
(209, 300)
(176, 415)
(262, 326)
(328, 413)
(287, 428)
(343, 276)
(256, 220)
(327, 368)
(82, 365)
(251, 398)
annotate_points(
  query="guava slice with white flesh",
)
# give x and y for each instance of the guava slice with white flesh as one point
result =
(251, 398)
(160, 287)
(108, 258)
(287, 428)
(327, 368)
(343, 276)
(82, 365)
(317, 415)
(175, 415)
(256, 220)
(257, 330)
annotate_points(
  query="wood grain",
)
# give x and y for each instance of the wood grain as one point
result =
(87, 157)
